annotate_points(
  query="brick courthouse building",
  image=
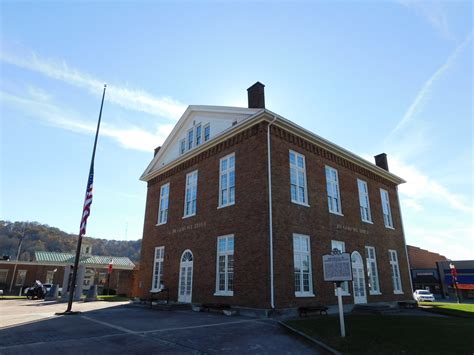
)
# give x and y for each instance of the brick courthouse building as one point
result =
(219, 229)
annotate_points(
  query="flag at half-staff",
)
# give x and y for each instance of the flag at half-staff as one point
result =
(86, 211)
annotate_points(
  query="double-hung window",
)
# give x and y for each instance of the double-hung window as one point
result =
(396, 281)
(364, 201)
(227, 181)
(190, 138)
(182, 146)
(207, 132)
(158, 268)
(387, 214)
(332, 185)
(3, 276)
(341, 246)
(198, 134)
(49, 276)
(225, 266)
(298, 178)
(191, 194)
(372, 273)
(164, 200)
(20, 278)
(302, 263)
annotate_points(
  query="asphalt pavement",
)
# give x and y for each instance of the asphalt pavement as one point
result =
(31, 327)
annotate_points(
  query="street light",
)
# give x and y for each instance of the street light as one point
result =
(454, 275)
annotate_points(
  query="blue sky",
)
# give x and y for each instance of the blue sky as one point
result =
(373, 77)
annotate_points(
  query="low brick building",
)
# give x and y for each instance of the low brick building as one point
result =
(424, 269)
(48, 267)
(242, 204)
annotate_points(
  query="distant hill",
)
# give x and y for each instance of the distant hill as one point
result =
(43, 237)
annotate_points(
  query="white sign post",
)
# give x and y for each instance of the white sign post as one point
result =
(338, 268)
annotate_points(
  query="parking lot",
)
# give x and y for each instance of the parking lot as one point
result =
(31, 327)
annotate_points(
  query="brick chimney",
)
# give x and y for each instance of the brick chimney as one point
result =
(381, 161)
(256, 95)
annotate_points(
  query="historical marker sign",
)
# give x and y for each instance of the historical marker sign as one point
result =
(337, 267)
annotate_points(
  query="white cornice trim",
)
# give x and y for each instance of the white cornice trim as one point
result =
(190, 111)
(267, 115)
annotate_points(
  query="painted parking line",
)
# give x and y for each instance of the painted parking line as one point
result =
(117, 327)
(198, 326)
(143, 332)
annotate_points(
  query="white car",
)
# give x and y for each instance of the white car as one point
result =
(423, 296)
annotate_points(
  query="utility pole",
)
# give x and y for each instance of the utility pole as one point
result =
(17, 256)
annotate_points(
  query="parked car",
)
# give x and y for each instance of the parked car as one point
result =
(423, 296)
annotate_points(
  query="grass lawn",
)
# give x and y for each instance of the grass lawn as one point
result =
(376, 334)
(12, 297)
(113, 298)
(462, 310)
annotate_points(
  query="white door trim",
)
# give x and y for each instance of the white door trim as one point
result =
(358, 278)
(186, 262)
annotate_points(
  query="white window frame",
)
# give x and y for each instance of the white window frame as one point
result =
(372, 270)
(341, 246)
(157, 275)
(3, 272)
(164, 201)
(395, 271)
(190, 139)
(198, 136)
(386, 210)
(207, 127)
(297, 170)
(228, 291)
(226, 173)
(22, 279)
(332, 186)
(191, 184)
(364, 202)
(182, 146)
(298, 255)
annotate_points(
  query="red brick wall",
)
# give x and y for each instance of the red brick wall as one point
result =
(247, 220)
(33, 272)
(322, 226)
(423, 259)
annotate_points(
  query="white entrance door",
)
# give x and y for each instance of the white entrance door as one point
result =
(358, 278)
(186, 277)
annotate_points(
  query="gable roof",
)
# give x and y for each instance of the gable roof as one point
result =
(96, 260)
(188, 115)
(257, 116)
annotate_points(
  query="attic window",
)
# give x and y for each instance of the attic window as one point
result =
(195, 137)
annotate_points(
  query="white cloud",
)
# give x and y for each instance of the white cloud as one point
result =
(130, 137)
(417, 104)
(421, 190)
(132, 99)
(456, 243)
(431, 11)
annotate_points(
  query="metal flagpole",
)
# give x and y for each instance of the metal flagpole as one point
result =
(82, 229)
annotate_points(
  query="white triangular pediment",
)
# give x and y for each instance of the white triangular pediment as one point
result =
(217, 118)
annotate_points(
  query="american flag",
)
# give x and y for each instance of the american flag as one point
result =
(86, 211)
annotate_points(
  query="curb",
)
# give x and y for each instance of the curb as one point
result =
(307, 337)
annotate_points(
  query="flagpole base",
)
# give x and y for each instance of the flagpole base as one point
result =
(68, 313)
